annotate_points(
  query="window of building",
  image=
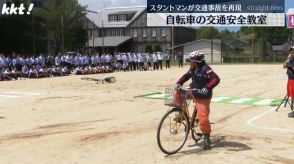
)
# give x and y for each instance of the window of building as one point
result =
(163, 32)
(113, 32)
(91, 33)
(135, 33)
(112, 18)
(122, 18)
(144, 32)
(154, 32)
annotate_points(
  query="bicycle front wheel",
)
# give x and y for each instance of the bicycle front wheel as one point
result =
(173, 131)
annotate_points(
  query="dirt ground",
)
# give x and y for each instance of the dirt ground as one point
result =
(68, 120)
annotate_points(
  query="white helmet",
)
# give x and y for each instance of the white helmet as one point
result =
(197, 56)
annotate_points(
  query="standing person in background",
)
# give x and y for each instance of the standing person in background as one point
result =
(289, 64)
(180, 59)
(57, 61)
(130, 59)
(167, 61)
(155, 62)
(149, 60)
(159, 57)
(135, 61)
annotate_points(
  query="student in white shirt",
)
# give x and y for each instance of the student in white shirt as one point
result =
(155, 61)
(25, 71)
(159, 57)
(57, 61)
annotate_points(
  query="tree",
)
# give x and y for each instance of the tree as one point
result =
(157, 48)
(16, 32)
(207, 33)
(148, 49)
(64, 19)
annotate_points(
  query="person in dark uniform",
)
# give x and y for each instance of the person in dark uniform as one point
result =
(204, 79)
(289, 64)
(180, 58)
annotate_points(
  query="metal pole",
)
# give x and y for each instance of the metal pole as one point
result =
(292, 37)
(172, 40)
(93, 38)
(34, 37)
(211, 56)
(62, 35)
(102, 38)
(252, 61)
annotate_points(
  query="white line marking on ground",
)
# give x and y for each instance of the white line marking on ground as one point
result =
(240, 100)
(24, 93)
(9, 96)
(264, 102)
(250, 122)
(219, 99)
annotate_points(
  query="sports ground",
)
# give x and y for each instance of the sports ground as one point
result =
(69, 120)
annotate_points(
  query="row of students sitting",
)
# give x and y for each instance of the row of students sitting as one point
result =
(33, 72)
(36, 71)
(85, 70)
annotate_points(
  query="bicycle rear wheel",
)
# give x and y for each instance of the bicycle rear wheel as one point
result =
(173, 130)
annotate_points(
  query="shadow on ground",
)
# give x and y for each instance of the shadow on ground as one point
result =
(217, 143)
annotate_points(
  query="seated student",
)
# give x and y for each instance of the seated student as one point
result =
(1, 73)
(118, 66)
(55, 71)
(145, 66)
(108, 69)
(5, 74)
(78, 71)
(25, 71)
(15, 74)
(84, 70)
(49, 72)
(90, 69)
(93, 70)
(8, 74)
(65, 71)
(125, 66)
(33, 72)
(99, 69)
(41, 72)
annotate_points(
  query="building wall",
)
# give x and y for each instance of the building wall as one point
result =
(142, 35)
(204, 47)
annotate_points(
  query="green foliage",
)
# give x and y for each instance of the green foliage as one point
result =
(64, 17)
(148, 49)
(157, 48)
(207, 33)
(15, 32)
(274, 35)
(19, 33)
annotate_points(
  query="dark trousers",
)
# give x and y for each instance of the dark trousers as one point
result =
(180, 63)
(160, 64)
(167, 62)
(155, 65)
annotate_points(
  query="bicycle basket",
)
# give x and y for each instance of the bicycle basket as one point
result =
(174, 98)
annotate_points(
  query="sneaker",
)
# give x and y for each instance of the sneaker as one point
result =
(206, 142)
(291, 114)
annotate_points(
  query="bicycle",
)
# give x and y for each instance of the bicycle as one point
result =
(173, 136)
(102, 80)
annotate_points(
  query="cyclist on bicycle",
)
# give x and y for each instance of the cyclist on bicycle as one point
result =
(204, 79)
